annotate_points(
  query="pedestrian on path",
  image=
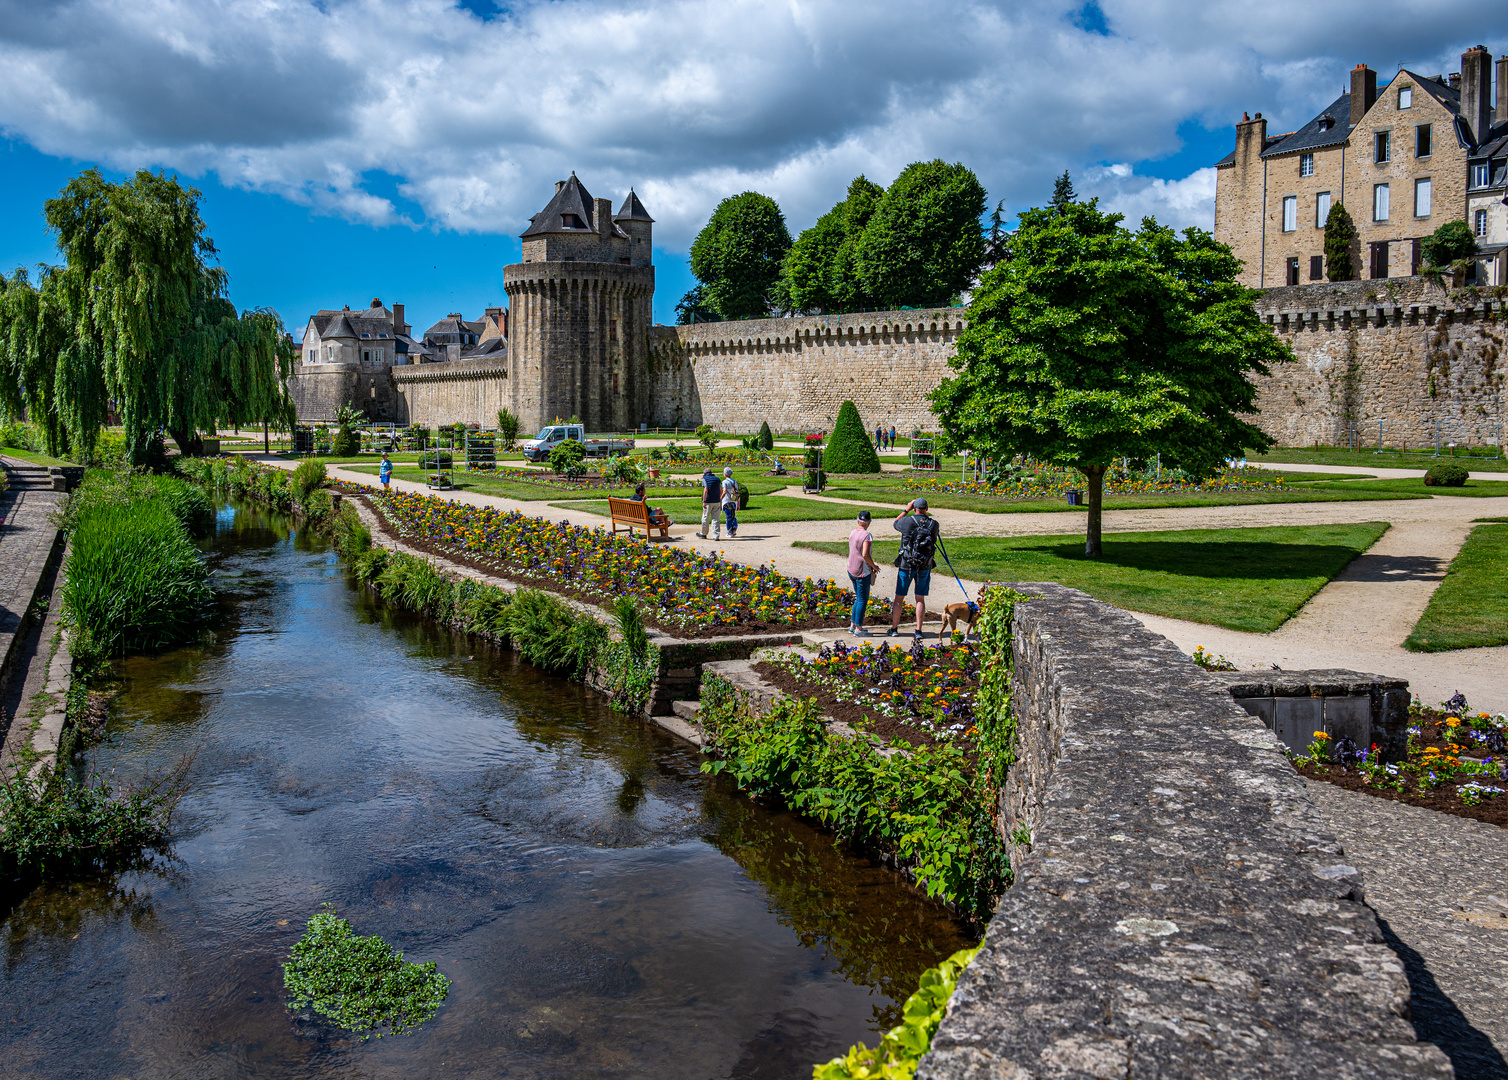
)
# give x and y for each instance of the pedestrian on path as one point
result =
(385, 471)
(919, 533)
(730, 502)
(892, 436)
(712, 499)
(879, 437)
(861, 572)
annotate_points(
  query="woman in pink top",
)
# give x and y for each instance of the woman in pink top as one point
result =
(861, 570)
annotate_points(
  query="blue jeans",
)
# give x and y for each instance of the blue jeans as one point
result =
(730, 511)
(860, 597)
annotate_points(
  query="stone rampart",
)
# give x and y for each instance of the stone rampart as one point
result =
(1181, 909)
(795, 373)
(1407, 353)
(471, 391)
(319, 389)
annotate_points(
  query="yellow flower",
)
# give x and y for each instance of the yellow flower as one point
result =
(1320, 735)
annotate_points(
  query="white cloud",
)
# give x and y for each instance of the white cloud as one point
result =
(687, 100)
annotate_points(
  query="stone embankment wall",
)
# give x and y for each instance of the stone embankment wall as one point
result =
(795, 373)
(1181, 908)
(1406, 352)
(468, 390)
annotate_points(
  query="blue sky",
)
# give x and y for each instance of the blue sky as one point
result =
(357, 148)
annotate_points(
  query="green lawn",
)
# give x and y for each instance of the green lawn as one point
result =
(1414, 485)
(1388, 459)
(34, 458)
(768, 508)
(1470, 608)
(1241, 579)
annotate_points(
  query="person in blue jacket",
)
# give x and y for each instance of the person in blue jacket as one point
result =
(385, 473)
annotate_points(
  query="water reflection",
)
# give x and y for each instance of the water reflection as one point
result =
(601, 906)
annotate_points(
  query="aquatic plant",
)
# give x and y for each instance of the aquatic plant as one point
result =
(308, 477)
(361, 984)
(900, 1049)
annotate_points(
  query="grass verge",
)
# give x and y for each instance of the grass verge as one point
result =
(1241, 579)
(1370, 459)
(1470, 608)
(1414, 485)
(32, 456)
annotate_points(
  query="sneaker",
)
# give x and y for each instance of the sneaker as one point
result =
(892, 632)
(859, 631)
(916, 636)
(702, 536)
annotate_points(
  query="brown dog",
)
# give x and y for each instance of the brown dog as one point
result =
(953, 614)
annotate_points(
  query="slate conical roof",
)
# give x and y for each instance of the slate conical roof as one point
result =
(633, 209)
(572, 198)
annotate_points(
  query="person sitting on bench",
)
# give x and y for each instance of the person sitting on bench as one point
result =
(656, 516)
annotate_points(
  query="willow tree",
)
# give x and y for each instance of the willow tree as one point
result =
(1094, 343)
(136, 318)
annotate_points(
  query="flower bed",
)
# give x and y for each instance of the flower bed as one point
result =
(682, 589)
(924, 697)
(1457, 763)
(1048, 481)
(586, 483)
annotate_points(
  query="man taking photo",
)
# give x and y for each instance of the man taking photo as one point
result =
(919, 535)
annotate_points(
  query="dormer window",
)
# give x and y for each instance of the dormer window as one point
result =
(1405, 97)
(1326, 122)
(366, 335)
(571, 221)
(382, 335)
(1479, 175)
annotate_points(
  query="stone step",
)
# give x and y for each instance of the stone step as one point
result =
(686, 710)
(29, 477)
(677, 726)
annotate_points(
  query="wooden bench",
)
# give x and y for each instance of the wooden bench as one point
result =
(635, 515)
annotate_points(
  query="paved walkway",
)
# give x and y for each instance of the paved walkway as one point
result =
(1358, 621)
(1440, 885)
(27, 537)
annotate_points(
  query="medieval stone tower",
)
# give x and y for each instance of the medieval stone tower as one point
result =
(581, 308)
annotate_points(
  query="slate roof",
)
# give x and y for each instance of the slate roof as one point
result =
(633, 209)
(497, 346)
(1230, 158)
(1314, 135)
(573, 198)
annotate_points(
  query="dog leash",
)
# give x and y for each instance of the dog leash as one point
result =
(972, 606)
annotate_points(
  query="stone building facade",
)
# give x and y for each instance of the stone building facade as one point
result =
(1399, 159)
(373, 337)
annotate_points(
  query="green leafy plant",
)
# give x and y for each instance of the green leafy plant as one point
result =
(631, 626)
(901, 1048)
(766, 438)
(623, 469)
(850, 449)
(1446, 475)
(1448, 245)
(675, 451)
(707, 437)
(308, 478)
(1209, 661)
(1340, 235)
(361, 984)
(567, 458)
(507, 428)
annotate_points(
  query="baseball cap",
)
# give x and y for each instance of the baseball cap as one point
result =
(864, 515)
(920, 504)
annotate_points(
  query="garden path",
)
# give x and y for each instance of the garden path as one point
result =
(1358, 621)
(1440, 885)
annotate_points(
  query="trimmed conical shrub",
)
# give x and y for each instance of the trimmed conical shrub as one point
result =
(766, 440)
(849, 450)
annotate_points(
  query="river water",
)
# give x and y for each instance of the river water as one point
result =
(602, 908)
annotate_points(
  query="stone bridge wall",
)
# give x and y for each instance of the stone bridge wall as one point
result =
(1181, 910)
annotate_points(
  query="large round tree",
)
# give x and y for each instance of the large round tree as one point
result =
(137, 317)
(923, 245)
(1094, 343)
(737, 256)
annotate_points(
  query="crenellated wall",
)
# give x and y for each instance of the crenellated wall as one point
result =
(468, 390)
(795, 373)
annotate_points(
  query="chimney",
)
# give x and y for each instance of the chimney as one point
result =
(376, 302)
(558, 185)
(399, 326)
(1502, 113)
(1476, 92)
(1453, 80)
(602, 211)
(1251, 139)
(1363, 92)
(502, 323)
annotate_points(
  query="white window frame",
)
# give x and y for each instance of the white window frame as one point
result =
(1481, 175)
(1479, 223)
(1290, 213)
(1306, 164)
(1321, 209)
(1405, 97)
(1382, 202)
(1424, 192)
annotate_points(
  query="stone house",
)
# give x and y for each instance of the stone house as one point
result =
(371, 338)
(1400, 158)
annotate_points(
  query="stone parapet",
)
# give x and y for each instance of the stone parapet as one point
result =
(1180, 909)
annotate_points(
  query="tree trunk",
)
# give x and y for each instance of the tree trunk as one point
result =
(1096, 477)
(266, 439)
(188, 442)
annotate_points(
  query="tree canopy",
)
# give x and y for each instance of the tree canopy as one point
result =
(1094, 343)
(820, 272)
(924, 245)
(1449, 243)
(737, 256)
(136, 318)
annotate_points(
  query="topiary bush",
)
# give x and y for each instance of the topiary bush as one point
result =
(1447, 475)
(849, 450)
(766, 438)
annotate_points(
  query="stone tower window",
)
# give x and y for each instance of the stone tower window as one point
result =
(612, 332)
(1479, 176)
(1316, 267)
(571, 221)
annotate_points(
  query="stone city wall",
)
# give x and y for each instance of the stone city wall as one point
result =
(1181, 908)
(795, 373)
(471, 391)
(1407, 353)
(319, 389)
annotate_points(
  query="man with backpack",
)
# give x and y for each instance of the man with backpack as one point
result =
(919, 533)
(712, 504)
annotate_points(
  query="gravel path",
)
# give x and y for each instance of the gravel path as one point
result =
(1440, 885)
